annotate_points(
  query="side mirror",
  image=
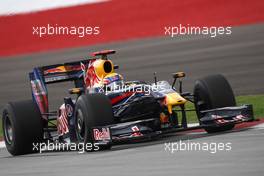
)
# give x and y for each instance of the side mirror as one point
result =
(178, 75)
(175, 76)
(76, 91)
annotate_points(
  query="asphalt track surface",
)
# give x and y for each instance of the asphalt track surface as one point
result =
(150, 158)
(240, 57)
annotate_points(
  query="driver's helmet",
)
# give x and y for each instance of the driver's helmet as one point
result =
(113, 81)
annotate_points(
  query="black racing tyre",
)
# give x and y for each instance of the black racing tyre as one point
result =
(22, 126)
(92, 110)
(211, 92)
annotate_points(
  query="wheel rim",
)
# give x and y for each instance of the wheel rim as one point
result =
(8, 129)
(80, 126)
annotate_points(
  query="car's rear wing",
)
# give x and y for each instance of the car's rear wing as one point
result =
(41, 76)
(62, 72)
(68, 71)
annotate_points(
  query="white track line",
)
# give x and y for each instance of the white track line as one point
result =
(259, 126)
(193, 124)
(9, 7)
(2, 144)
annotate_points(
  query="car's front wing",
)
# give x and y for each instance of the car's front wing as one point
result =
(149, 128)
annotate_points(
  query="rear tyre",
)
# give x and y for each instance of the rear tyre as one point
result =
(92, 110)
(22, 126)
(213, 92)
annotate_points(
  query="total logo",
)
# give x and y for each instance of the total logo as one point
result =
(101, 135)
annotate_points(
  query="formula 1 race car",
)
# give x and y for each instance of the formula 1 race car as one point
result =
(108, 110)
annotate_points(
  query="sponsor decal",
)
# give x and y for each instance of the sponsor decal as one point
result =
(90, 76)
(221, 121)
(37, 88)
(62, 121)
(62, 69)
(62, 124)
(239, 117)
(101, 134)
(136, 132)
(69, 110)
(40, 96)
(54, 70)
(217, 117)
(83, 67)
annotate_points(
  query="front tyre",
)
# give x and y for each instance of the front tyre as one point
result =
(22, 126)
(92, 110)
(212, 92)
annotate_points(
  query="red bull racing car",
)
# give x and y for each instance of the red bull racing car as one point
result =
(109, 110)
